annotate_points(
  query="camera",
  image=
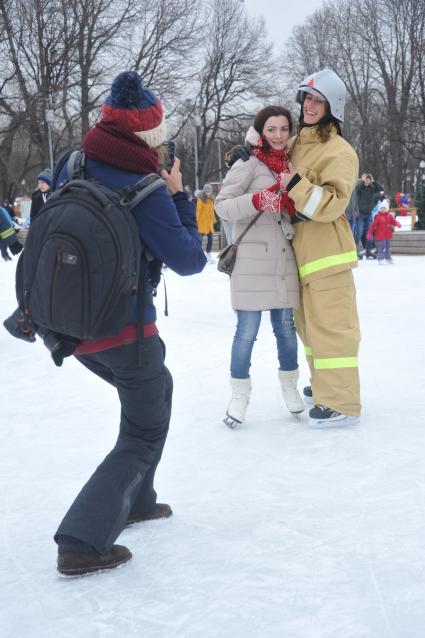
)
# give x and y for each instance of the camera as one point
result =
(170, 155)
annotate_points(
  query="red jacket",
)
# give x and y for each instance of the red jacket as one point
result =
(382, 226)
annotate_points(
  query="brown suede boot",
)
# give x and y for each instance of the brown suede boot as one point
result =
(78, 564)
(162, 510)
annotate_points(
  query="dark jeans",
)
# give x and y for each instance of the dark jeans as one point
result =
(209, 241)
(123, 482)
(364, 221)
(355, 228)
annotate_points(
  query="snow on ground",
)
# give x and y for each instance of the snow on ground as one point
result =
(279, 531)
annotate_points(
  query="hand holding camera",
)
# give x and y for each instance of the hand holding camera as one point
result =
(173, 178)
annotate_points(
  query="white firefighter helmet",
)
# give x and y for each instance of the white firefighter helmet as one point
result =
(327, 84)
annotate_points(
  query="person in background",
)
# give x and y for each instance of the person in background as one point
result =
(9, 207)
(205, 217)
(379, 199)
(382, 229)
(404, 205)
(265, 274)
(367, 191)
(8, 236)
(41, 193)
(352, 214)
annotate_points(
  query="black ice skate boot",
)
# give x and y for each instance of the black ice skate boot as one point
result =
(323, 417)
(308, 395)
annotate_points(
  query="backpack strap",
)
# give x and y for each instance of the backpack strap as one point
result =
(133, 195)
(76, 165)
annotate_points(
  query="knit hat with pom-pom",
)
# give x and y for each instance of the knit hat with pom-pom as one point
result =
(135, 105)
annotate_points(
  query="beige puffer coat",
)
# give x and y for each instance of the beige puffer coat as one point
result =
(265, 274)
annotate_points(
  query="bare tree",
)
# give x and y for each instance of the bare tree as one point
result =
(236, 74)
(377, 47)
(163, 45)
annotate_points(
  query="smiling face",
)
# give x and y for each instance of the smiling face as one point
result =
(314, 108)
(276, 132)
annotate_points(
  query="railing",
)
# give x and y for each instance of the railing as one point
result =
(413, 211)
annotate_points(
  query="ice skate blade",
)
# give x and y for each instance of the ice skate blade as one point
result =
(231, 422)
(297, 415)
(308, 400)
(339, 422)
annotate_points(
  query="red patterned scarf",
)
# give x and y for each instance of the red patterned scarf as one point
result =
(277, 161)
(115, 144)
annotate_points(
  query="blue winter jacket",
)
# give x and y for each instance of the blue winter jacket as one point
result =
(167, 225)
(7, 231)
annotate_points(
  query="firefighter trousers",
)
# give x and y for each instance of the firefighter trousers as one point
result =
(328, 325)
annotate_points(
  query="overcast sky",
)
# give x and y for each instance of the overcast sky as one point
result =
(281, 16)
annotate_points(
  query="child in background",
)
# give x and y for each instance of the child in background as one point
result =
(205, 217)
(382, 228)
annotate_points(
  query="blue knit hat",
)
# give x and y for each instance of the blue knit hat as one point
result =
(130, 102)
(45, 176)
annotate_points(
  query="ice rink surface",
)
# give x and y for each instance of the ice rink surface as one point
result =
(279, 531)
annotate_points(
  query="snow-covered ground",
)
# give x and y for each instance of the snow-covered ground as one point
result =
(279, 531)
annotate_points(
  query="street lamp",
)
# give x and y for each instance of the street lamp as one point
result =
(220, 173)
(422, 168)
(196, 118)
(50, 117)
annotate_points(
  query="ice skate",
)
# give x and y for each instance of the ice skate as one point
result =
(236, 410)
(308, 395)
(389, 261)
(323, 417)
(288, 385)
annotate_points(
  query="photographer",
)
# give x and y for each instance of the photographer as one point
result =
(124, 145)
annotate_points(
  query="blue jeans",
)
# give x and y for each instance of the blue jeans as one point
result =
(355, 228)
(364, 221)
(283, 325)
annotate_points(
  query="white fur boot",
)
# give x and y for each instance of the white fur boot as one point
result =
(236, 410)
(288, 383)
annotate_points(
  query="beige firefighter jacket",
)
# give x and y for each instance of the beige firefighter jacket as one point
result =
(265, 274)
(328, 171)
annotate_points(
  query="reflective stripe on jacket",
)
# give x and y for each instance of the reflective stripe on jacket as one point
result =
(323, 245)
(7, 231)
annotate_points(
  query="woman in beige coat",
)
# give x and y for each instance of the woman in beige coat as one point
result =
(265, 274)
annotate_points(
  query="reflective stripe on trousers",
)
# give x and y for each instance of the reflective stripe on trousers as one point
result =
(328, 325)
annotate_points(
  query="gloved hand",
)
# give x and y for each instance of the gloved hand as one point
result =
(21, 326)
(273, 200)
(15, 248)
(235, 153)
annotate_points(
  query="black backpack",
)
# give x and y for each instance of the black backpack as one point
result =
(82, 262)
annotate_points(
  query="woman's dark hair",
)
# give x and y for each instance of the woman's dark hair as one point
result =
(270, 111)
(324, 125)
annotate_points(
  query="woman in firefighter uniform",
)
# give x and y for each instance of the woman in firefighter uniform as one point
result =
(321, 178)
